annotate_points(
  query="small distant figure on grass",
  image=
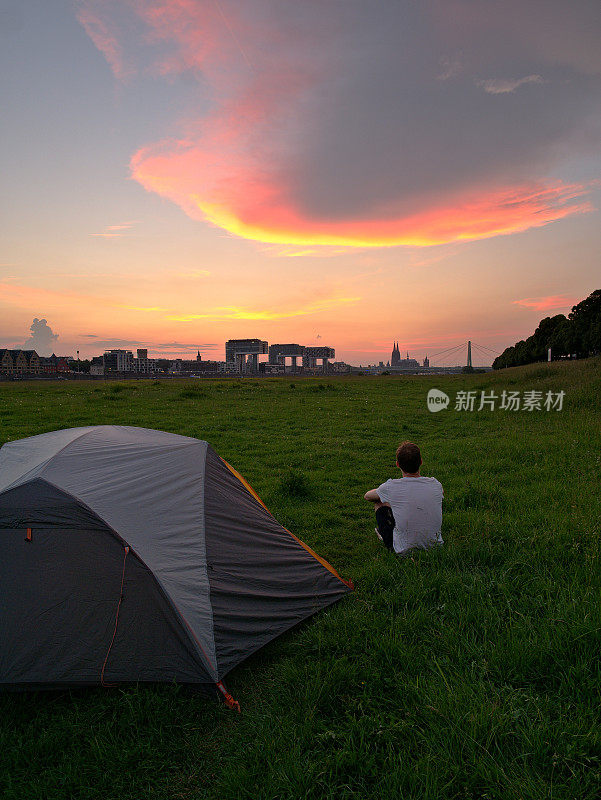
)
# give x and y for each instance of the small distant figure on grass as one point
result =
(408, 509)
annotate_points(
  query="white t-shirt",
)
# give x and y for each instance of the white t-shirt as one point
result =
(417, 509)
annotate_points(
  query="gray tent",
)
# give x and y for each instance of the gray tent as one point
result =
(130, 554)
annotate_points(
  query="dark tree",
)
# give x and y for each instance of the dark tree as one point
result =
(579, 333)
(586, 319)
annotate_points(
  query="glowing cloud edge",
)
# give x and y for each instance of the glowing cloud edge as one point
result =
(491, 212)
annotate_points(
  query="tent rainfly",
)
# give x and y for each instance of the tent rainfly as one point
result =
(136, 555)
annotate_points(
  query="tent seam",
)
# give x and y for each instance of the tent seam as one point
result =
(43, 464)
(90, 429)
(206, 565)
(305, 546)
(211, 666)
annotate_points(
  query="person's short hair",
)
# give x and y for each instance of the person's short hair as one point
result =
(408, 457)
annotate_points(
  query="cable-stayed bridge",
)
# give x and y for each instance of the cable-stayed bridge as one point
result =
(461, 355)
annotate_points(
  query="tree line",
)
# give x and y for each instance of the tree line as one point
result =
(578, 335)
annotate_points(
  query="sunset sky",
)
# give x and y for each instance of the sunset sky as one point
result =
(342, 172)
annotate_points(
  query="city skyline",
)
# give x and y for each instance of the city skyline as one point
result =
(182, 173)
(44, 342)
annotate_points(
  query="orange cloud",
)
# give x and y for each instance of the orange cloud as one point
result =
(30, 297)
(195, 273)
(33, 296)
(547, 303)
(234, 312)
(247, 203)
(115, 231)
(292, 251)
(140, 308)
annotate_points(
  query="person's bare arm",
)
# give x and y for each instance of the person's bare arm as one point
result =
(372, 496)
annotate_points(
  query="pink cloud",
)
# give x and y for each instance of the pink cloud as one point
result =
(242, 199)
(115, 231)
(556, 301)
(244, 163)
(105, 36)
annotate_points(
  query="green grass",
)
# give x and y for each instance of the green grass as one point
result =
(471, 671)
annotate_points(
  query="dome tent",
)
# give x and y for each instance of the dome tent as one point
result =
(136, 555)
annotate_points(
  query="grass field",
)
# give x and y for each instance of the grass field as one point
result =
(472, 671)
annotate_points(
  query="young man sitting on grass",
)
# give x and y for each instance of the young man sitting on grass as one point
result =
(408, 509)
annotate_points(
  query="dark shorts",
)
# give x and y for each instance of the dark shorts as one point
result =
(385, 522)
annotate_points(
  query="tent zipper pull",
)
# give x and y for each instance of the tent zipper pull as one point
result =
(28, 535)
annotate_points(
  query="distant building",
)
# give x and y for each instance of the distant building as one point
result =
(97, 365)
(183, 366)
(242, 355)
(340, 367)
(396, 362)
(426, 362)
(210, 366)
(54, 365)
(118, 361)
(272, 369)
(123, 362)
(19, 362)
(142, 364)
(278, 353)
(314, 354)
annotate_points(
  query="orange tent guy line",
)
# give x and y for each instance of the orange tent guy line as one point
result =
(229, 700)
(321, 560)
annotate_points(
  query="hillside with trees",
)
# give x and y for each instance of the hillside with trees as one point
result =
(577, 336)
